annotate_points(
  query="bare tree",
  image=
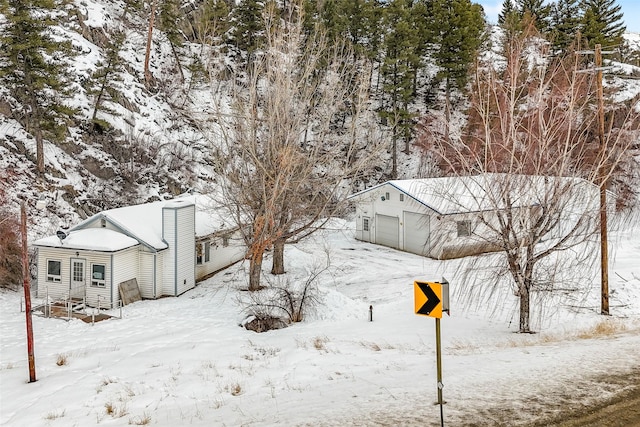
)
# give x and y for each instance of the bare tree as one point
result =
(531, 143)
(10, 249)
(291, 139)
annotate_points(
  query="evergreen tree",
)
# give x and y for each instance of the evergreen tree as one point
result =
(537, 10)
(400, 64)
(357, 21)
(248, 26)
(33, 69)
(507, 12)
(565, 23)
(170, 24)
(211, 21)
(101, 83)
(461, 25)
(602, 22)
(510, 19)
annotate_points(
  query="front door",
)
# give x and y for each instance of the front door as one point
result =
(78, 283)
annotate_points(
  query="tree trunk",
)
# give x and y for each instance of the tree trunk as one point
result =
(524, 308)
(255, 269)
(34, 121)
(407, 133)
(103, 86)
(394, 153)
(37, 133)
(447, 109)
(177, 58)
(147, 73)
(278, 257)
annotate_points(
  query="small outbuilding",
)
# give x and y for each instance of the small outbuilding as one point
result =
(166, 246)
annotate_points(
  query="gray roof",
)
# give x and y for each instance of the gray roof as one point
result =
(477, 193)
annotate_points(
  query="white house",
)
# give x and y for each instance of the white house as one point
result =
(438, 217)
(167, 246)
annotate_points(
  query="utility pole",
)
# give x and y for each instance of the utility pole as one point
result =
(603, 173)
(602, 178)
(27, 292)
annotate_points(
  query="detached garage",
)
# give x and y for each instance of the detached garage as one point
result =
(431, 217)
(452, 217)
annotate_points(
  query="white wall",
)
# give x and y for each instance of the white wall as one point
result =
(60, 290)
(370, 203)
(178, 230)
(221, 256)
(126, 267)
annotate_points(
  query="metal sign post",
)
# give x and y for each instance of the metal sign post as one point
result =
(431, 299)
(439, 370)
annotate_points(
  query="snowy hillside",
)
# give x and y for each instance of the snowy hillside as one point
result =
(151, 148)
(156, 144)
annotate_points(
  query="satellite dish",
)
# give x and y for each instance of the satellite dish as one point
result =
(61, 235)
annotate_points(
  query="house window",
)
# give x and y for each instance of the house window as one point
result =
(207, 251)
(365, 224)
(98, 275)
(53, 271)
(386, 196)
(464, 228)
(402, 197)
(225, 240)
(199, 253)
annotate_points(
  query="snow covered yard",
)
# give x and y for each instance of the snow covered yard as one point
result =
(185, 360)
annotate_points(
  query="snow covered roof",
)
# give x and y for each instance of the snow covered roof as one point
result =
(477, 193)
(96, 239)
(143, 223)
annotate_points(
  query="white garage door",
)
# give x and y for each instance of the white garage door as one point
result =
(387, 230)
(416, 233)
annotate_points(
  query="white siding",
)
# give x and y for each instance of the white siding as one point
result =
(221, 256)
(159, 280)
(146, 274)
(179, 233)
(94, 293)
(126, 267)
(60, 290)
(54, 290)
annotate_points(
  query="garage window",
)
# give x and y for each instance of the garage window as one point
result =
(464, 228)
(365, 224)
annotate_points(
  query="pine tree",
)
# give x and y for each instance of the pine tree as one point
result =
(537, 10)
(401, 61)
(461, 25)
(170, 24)
(248, 26)
(507, 12)
(211, 22)
(602, 22)
(34, 71)
(101, 84)
(565, 23)
(510, 19)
